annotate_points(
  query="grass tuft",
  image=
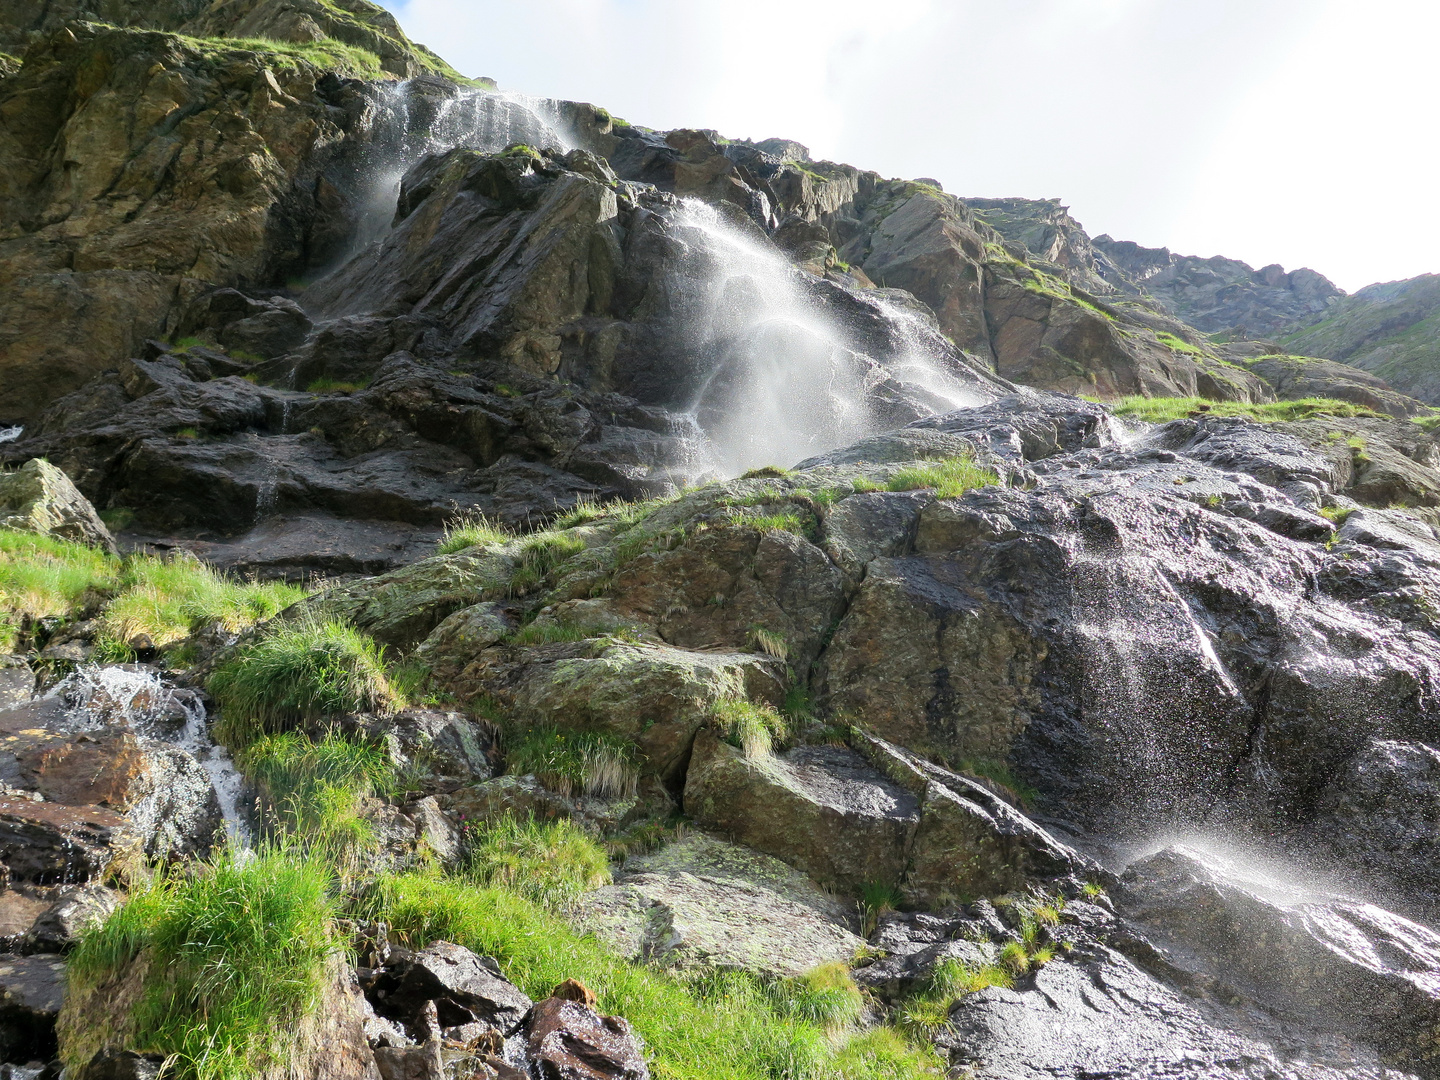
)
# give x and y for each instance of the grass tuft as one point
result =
(573, 763)
(754, 729)
(314, 792)
(548, 862)
(826, 997)
(1161, 410)
(541, 554)
(296, 672)
(949, 478)
(236, 955)
(469, 530)
(165, 599)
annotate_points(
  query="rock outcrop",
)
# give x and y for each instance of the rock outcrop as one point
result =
(1387, 329)
(39, 498)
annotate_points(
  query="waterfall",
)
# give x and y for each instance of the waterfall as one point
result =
(782, 378)
(140, 699)
(423, 116)
(10, 434)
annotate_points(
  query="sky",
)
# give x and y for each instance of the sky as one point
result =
(1299, 132)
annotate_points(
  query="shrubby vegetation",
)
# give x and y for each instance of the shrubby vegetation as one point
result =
(299, 671)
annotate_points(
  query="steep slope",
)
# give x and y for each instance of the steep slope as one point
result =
(1391, 329)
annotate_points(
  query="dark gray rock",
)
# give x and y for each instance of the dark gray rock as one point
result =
(1383, 813)
(462, 987)
(568, 1040)
(17, 681)
(31, 989)
(59, 927)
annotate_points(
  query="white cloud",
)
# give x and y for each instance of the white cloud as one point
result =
(1292, 131)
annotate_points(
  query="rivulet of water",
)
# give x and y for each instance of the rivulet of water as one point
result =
(10, 434)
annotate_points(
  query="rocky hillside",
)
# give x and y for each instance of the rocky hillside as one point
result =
(488, 590)
(1391, 330)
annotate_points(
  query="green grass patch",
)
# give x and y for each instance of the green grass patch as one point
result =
(235, 955)
(1161, 410)
(755, 729)
(295, 672)
(336, 386)
(165, 599)
(1176, 344)
(327, 54)
(314, 792)
(949, 478)
(541, 554)
(575, 762)
(1338, 514)
(724, 1027)
(1000, 773)
(791, 521)
(550, 863)
(470, 530)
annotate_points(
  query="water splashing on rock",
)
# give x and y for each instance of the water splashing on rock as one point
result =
(784, 375)
(136, 697)
(10, 434)
(425, 116)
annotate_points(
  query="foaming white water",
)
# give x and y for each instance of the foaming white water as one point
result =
(1277, 877)
(783, 383)
(138, 698)
(10, 434)
(417, 118)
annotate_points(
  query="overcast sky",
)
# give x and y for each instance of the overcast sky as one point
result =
(1302, 132)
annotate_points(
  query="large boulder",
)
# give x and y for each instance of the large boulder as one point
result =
(702, 903)
(39, 498)
(1339, 964)
(822, 809)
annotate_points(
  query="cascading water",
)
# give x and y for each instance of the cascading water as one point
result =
(10, 434)
(140, 699)
(419, 117)
(781, 379)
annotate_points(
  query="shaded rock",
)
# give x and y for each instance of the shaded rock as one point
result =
(50, 844)
(566, 1040)
(123, 1065)
(39, 498)
(911, 944)
(1295, 377)
(523, 797)
(31, 990)
(455, 642)
(17, 681)
(1338, 964)
(18, 912)
(821, 809)
(441, 750)
(969, 841)
(702, 903)
(655, 696)
(1102, 1016)
(464, 988)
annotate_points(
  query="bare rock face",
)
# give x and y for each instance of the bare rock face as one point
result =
(703, 903)
(190, 159)
(40, 498)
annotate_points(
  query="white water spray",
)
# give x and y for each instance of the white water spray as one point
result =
(138, 698)
(783, 383)
(10, 434)
(417, 119)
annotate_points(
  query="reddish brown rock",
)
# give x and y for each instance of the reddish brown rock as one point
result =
(567, 1040)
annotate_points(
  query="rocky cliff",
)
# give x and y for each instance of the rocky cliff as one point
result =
(1388, 329)
(599, 603)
